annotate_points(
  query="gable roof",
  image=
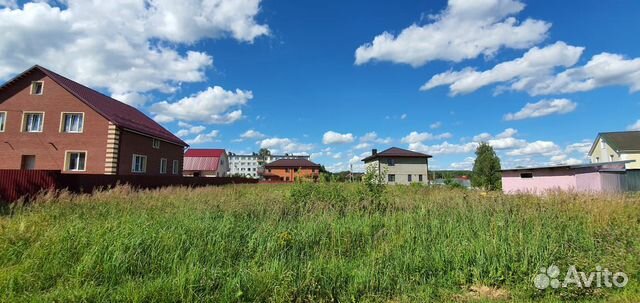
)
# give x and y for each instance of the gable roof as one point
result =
(120, 114)
(619, 141)
(204, 152)
(292, 163)
(396, 152)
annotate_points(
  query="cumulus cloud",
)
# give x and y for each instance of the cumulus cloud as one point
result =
(466, 164)
(444, 148)
(203, 138)
(252, 134)
(128, 48)
(579, 147)
(464, 30)
(212, 106)
(543, 108)
(435, 125)
(536, 148)
(635, 126)
(284, 145)
(192, 130)
(332, 137)
(535, 64)
(363, 145)
(374, 138)
(416, 137)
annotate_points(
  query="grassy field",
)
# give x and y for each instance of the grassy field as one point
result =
(313, 243)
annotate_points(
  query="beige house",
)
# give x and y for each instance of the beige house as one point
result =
(617, 146)
(402, 166)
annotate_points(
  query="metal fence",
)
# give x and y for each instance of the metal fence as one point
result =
(15, 184)
(632, 180)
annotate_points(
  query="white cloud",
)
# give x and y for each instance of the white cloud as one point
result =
(374, 138)
(252, 134)
(543, 108)
(435, 125)
(503, 140)
(444, 148)
(507, 133)
(604, 69)
(203, 138)
(191, 130)
(416, 137)
(580, 147)
(284, 145)
(363, 145)
(635, 126)
(535, 64)
(211, 106)
(403, 116)
(546, 148)
(332, 137)
(464, 30)
(466, 164)
(127, 48)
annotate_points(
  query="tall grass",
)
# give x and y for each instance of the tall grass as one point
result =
(311, 242)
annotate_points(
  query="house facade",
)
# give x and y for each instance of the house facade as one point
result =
(617, 146)
(401, 166)
(249, 164)
(50, 122)
(593, 178)
(206, 163)
(289, 170)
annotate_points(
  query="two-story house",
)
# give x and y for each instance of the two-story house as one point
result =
(617, 146)
(290, 169)
(401, 166)
(50, 122)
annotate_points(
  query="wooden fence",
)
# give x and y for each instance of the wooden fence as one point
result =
(15, 184)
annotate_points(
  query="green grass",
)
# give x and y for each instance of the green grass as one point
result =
(312, 242)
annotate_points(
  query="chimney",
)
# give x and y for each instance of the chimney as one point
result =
(374, 151)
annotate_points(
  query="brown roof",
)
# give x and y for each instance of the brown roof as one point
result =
(396, 152)
(620, 141)
(118, 113)
(292, 163)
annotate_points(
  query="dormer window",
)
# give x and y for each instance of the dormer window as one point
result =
(37, 87)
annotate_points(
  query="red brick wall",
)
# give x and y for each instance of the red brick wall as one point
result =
(133, 143)
(49, 146)
(291, 174)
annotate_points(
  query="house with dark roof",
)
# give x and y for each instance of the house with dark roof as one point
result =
(617, 146)
(206, 163)
(289, 170)
(401, 166)
(50, 122)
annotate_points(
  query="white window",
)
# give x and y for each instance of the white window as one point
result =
(33, 122)
(163, 166)
(72, 122)
(156, 143)
(139, 164)
(174, 168)
(37, 87)
(3, 119)
(76, 161)
(602, 144)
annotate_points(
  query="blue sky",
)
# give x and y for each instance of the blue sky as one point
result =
(287, 76)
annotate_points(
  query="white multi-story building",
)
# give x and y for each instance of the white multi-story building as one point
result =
(248, 165)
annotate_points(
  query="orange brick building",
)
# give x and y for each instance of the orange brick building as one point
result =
(289, 169)
(50, 122)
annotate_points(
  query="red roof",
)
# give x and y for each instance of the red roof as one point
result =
(204, 152)
(200, 163)
(295, 163)
(396, 152)
(120, 114)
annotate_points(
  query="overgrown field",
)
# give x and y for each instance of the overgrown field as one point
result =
(313, 243)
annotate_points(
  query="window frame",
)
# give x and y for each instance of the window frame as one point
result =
(63, 121)
(174, 167)
(391, 162)
(153, 143)
(133, 164)
(391, 178)
(67, 160)
(526, 175)
(419, 178)
(23, 127)
(166, 165)
(3, 125)
(409, 178)
(41, 88)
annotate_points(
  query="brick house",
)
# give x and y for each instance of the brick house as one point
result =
(290, 169)
(50, 122)
(402, 166)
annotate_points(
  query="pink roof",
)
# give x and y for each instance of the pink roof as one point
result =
(118, 113)
(201, 163)
(204, 153)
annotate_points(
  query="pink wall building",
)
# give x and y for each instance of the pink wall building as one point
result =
(593, 177)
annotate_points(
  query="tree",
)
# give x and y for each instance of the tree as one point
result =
(486, 168)
(263, 154)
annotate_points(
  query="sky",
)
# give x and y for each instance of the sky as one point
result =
(333, 79)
